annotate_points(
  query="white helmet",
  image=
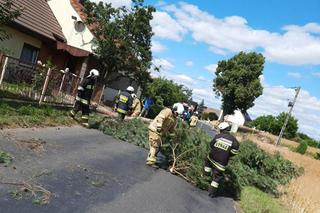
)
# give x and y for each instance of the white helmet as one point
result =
(130, 89)
(178, 107)
(224, 126)
(196, 113)
(94, 73)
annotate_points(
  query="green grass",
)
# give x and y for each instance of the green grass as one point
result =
(5, 157)
(255, 201)
(25, 115)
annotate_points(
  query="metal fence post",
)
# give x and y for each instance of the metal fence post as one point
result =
(62, 81)
(45, 85)
(4, 69)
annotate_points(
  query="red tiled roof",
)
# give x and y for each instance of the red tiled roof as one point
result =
(38, 17)
(79, 9)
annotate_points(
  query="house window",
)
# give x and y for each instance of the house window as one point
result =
(29, 54)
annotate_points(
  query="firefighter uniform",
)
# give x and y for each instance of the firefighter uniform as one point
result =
(124, 104)
(136, 107)
(193, 121)
(165, 122)
(83, 97)
(223, 146)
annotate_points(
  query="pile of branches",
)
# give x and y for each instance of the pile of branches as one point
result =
(187, 149)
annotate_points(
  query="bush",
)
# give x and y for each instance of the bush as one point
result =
(5, 157)
(252, 167)
(212, 116)
(302, 148)
(273, 125)
(204, 116)
(154, 111)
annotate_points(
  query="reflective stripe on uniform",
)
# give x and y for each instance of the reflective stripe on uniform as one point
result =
(84, 101)
(80, 88)
(85, 117)
(217, 165)
(207, 169)
(72, 112)
(89, 87)
(214, 184)
(234, 151)
(121, 111)
(123, 98)
(78, 98)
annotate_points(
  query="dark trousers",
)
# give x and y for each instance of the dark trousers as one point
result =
(217, 174)
(83, 107)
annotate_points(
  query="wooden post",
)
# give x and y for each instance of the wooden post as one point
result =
(4, 70)
(44, 89)
(101, 94)
(62, 81)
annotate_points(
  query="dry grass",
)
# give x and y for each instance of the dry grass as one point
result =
(302, 194)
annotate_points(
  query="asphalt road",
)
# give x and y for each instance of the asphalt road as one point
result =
(88, 171)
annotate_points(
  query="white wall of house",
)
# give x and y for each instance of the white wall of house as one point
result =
(236, 118)
(17, 40)
(63, 11)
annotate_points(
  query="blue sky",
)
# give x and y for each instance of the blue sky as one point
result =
(192, 36)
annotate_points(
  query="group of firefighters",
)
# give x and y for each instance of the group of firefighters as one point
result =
(222, 147)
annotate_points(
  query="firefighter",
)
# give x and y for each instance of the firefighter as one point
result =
(136, 106)
(194, 119)
(124, 102)
(223, 146)
(164, 123)
(83, 97)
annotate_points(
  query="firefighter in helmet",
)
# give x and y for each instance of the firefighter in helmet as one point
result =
(222, 147)
(194, 119)
(83, 97)
(164, 123)
(136, 106)
(124, 102)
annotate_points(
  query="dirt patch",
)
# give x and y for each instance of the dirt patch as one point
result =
(303, 193)
(35, 145)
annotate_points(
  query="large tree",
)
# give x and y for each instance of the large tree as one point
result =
(238, 81)
(8, 12)
(122, 39)
(166, 92)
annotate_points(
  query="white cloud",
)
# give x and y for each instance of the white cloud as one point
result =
(275, 100)
(297, 45)
(182, 79)
(316, 74)
(295, 74)
(164, 26)
(116, 3)
(211, 68)
(163, 64)
(201, 78)
(157, 47)
(208, 95)
(189, 63)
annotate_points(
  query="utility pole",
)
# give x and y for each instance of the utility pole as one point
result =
(291, 105)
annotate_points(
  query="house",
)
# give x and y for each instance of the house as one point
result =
(31, 35)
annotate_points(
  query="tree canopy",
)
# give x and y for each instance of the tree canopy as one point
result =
(273, 124)
(238, 81)
(166, 92)
(122, 39)
(7, 13)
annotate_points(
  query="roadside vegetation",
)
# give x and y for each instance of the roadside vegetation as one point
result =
(187, 150)
(14, 114)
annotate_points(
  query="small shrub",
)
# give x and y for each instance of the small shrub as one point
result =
(204, 116)
(5, 157)
(26, 110)
(302, 148)
(317, 156)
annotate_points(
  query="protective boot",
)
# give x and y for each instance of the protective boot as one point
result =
(213, 191)
(72, 113)
(85, 121)
(152, 158)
